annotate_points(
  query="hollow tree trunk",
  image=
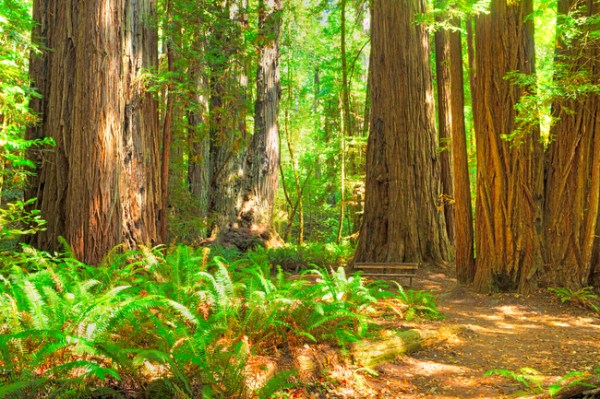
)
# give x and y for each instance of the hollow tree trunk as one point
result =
(401, 220)
(510, 173)
(573, 168)
(99, 186)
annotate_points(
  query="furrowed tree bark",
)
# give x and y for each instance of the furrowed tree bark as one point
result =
(263, 152)
(198, 172)
(228, 111)
(508, 227)
(445, 118)
(401, 220)
(346, 130)
(167, 137)
(99, 187)
(573, 168)
(452, 125)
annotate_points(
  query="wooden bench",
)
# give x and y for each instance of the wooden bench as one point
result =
(389, 270)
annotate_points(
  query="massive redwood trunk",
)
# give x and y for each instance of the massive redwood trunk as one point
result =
(262, 161)
(452, 127)
(401, 220)
(228, 111)
(573, 168)
(510, 173)
(99, 186)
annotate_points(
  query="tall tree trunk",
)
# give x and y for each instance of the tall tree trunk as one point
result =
(228, 115)
(263, 153)
(198, 173)
(401, 220)
(100, 185)
(573, 168)
(445, 116)
(452, 127)
(510, 173)
(167, 135)
(346, 121)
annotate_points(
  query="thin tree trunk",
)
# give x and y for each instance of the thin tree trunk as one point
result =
(401, 220)
(346, 121)
(166, 140)
(100, 185)
(445, 117)
(198, 139)
(510, 173)
(452, 119)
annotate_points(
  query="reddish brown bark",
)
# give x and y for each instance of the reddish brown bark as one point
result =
(401, 220)
(99, 186)
(445, 117)
(573, 168)
(263, 152)
(510, 173)
(452, 126)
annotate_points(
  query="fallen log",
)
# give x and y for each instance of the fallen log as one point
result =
(370, 353)
(312, 361)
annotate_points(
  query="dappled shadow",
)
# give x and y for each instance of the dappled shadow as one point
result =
(502, 331)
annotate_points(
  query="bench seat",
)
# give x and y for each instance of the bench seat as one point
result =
(389, 269)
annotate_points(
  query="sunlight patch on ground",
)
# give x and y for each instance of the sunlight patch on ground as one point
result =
(430, 368)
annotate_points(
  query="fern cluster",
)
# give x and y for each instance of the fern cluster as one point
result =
(164, 323)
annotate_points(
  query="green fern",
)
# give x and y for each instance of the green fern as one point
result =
(585, 297)
(418, 304)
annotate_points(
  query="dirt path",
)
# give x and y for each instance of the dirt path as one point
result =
(505, 331)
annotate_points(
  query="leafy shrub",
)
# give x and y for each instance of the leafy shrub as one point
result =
(531, 380)
(170, 323)
(418, 304)
(584, 297)
(297, 258)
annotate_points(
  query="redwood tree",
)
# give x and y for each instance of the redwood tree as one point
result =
(262, 161)
(99, 186)
(573, 168)
(455, 176)
(228, 110)
(401, 218)
(509, 172)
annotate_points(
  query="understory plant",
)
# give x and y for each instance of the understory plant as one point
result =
(531, 380)
(418, 304)
(585, 297)
(164, 322)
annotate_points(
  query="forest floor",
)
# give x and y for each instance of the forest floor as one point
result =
(533, 334)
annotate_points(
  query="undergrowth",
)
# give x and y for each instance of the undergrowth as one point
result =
(531, 380)
(181, 323)
(584, 297)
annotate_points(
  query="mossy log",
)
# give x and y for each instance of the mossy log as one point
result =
(370, 353)
(311, 361)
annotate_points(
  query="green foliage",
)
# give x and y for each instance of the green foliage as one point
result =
(531, 380)
(294, 257)
(583, 297)
(17, 221)
(168, 323)
(310, 118)
(528, 377)
(15, 92)
(418, 304)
